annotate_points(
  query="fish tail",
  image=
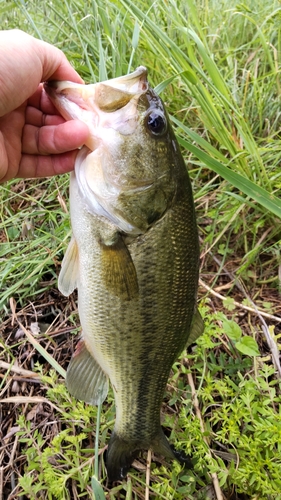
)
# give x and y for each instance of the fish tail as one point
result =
(119, 457)
(121, 454)
(161, 445)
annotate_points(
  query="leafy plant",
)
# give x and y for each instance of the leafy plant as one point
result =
(240, 441)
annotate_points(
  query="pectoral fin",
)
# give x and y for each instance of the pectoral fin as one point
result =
(85, 379)
(197, 328)
(118, 269)
(69, 269)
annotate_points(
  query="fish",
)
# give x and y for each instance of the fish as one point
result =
(133, 256)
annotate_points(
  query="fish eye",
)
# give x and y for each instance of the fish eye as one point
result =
(156, 123)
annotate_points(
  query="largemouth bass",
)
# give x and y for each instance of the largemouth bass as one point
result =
(133, 257)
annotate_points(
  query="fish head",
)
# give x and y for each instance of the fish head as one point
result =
(127, 172)
(100, 105)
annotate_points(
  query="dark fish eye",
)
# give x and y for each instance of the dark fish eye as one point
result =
(156, 123)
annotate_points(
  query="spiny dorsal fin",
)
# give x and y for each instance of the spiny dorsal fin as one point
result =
(69, 269)
(85, 379)
(118, 269)
(197, 328)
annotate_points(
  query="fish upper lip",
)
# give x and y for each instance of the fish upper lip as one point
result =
(133, 83)
(127, 82)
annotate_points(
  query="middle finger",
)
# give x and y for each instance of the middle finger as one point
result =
(34, 116)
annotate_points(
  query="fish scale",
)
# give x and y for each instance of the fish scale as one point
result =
(134, 259)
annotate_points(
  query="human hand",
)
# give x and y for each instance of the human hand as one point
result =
(35, 141)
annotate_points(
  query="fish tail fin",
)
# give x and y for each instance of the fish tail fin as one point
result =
(161, 445)
(119, 457)
(121, 454)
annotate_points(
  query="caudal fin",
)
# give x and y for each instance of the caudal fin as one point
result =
(121, 454)
(119, 457)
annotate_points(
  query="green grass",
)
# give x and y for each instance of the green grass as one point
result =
(217, 65)
(33, 227)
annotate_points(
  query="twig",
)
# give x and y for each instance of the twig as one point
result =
(29, 399)
(147, 478)
(60, 331)
(254, 310)
(13, 306)
(272, 345)
(43, 351)
(21, 371)
(214, 476)
(33, 380)
(13, 452)
(1, 482)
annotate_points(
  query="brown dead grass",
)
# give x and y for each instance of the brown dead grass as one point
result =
(51, 314)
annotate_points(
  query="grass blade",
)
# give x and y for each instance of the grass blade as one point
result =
(257, 193)
(43, 352)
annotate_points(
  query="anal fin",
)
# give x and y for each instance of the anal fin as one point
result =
(85, 379)
(118, 269)
(69, 269)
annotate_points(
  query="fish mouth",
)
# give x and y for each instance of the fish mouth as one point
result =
(134, 83)
(110, 104)
(107, 96)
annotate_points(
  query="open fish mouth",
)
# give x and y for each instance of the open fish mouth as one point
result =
(134, 82)
(109, 96)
